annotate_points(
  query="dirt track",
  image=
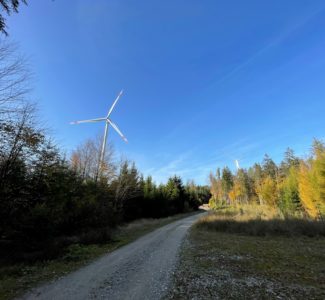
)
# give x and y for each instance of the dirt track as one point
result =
(140, 270)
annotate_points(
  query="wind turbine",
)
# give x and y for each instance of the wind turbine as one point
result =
(108, 122)
(237, 164)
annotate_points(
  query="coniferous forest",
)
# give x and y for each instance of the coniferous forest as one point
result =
(50, 199)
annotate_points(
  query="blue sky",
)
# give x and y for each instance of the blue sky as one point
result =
(206, 82)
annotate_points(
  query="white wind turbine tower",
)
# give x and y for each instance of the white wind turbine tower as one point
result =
(108, 122)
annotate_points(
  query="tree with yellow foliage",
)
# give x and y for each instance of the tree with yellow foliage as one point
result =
(295, 186)
(319, 175)
(307, 190)
(216, 190)
(267, 191)
(312, 182)
(235, 193)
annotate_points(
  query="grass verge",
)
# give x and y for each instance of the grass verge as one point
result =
(15, 279)
(259, 221)
(218, 264)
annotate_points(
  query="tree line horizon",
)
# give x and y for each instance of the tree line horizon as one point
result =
(295, 186)
(49, 201)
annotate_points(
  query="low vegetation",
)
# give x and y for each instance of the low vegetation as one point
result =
(243, 253)
(265, 235)
(259, 221)
(16, 278)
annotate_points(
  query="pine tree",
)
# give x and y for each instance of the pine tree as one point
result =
(290, 199)
(290, 160)
(149, 188)
(175, 193)
(226, 183)
(269, 167)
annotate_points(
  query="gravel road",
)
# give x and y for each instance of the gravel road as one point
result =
(140, 270)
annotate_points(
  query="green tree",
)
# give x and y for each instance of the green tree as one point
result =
(255, 174)
(226, 182)
(175, 193)
(269, 167)
(290, 160)
(149, 188)
(128, 189)
(195, 195)
(289, 202)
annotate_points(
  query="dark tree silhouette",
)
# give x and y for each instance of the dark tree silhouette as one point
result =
(7, 7)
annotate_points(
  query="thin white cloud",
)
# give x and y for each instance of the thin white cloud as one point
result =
(191, 164)
(282, 37)
(178, 166)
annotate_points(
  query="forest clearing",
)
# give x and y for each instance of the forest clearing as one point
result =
(238, 254)
(217, 188)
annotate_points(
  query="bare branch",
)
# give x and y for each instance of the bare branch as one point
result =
(14, 80)
(85, 160)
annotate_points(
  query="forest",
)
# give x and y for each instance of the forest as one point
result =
(49, 199)
(295, 187)
(204, 81)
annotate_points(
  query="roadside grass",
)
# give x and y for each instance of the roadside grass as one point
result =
(17, 278)
(275, 227)
(225, 260)
(259, 222)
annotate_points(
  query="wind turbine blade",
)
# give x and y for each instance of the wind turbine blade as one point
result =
(88, 121)
(237, 164)
(117, 130)
(114, 103)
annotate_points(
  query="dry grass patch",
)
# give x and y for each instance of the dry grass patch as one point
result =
(235, 254)
(259, 221)
(218, 265)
